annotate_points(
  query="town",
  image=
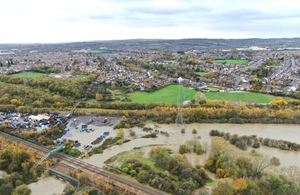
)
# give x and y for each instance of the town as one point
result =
(135, 118)
(250, 68)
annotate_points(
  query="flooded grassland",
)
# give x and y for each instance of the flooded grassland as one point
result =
(272, 131)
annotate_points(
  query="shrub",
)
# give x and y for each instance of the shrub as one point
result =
(146, 167)
(120, 142)
(256, 144)
(182, 149)
(132, 133)
(241, 144)
(143, 177)
(133, 173)
(125, 170)
(275, 161)
(194, 131)
(233, 140)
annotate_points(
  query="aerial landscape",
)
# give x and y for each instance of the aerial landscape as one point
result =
(150, 97)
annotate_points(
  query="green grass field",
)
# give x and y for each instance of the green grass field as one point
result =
(202, 73)
(99, 51)
(245, 97)
(232, 61)
(137, 154)
(81, 76)
(213, 89)
(29, 74)
(167, 94)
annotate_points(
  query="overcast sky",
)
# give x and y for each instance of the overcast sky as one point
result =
(37, 21)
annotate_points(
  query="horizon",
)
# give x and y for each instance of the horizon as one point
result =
(31, 43)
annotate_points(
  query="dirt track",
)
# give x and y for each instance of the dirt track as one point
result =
(97, 121)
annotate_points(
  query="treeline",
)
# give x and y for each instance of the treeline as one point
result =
(45, 69)
(253, 141)
(17, 160)
(18, 95)
(224, 114)
(29, 109)
(240, 173)
(72, 88)
(180, 176)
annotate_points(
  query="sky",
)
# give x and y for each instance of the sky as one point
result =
(36, 21)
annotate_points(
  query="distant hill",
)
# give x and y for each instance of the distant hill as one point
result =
(157, 44)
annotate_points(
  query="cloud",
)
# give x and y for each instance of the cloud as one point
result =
(57, 21)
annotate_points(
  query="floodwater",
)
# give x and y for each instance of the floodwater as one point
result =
(273, 131)
(278, 131)
(86, 138)
(47, 186)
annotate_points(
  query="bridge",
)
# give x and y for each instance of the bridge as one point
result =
(49, 155)
(84, 166)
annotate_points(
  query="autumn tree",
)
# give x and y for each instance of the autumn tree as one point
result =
(69, 189)
(120, 133)
(279, 103)
(199, 97)
(182, 149)
(99, 97)
(21, 190)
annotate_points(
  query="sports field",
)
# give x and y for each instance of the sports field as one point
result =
(29, 74)
(81, 76)
(202, 73)
(214, 89)
(245, 97)
(167, 94)
(99, 51)
(232, 61)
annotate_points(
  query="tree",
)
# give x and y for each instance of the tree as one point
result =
(84, 177)
(260, 163)
(182, 149)
(69, 189)
(6, 189)
(14, 101)
(143, 177)
(156, 150)
(241, 183)
(99, 97)
(279, 103)
(22, 190)
(120, 133)
(199, 97)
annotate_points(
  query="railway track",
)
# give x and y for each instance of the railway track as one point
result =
(87, 166)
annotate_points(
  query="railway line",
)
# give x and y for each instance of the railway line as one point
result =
(87, 167)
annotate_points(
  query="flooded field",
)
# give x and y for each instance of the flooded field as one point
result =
(280, 131)
(98, 125)
(47, 186)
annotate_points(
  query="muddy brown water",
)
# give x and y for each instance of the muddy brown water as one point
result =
(47, 186)
(273, 131)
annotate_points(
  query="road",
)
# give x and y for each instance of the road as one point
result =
(238, 78)
(87, 167)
